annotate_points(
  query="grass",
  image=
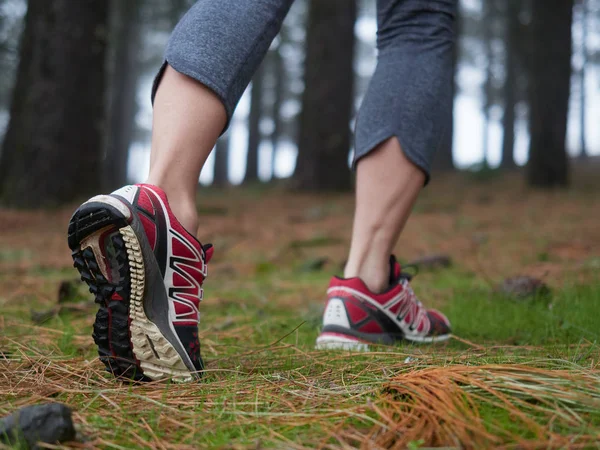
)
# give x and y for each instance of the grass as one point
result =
(519, 374)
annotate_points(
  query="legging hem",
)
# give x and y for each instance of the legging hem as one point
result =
(202, 78)
(380, 138)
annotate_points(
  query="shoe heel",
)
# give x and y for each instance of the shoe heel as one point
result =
(96, 224)
(97, 214)
(129, 344)
(111, 284)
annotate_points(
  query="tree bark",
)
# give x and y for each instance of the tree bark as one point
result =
(324, 140)
(254, 134)
(221, 170)
(443, 161)
(279, 73)
(123, 92)
(53, 146)
(511, 42)
(549, 89)
(584, 57)
(487, 89)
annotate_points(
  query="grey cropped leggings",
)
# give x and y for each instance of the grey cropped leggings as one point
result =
(220, 43)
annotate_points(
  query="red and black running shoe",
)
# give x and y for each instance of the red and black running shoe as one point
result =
(355, 317)
(146, 272)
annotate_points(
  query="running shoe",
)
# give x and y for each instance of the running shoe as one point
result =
(146, 273)
(356, 317)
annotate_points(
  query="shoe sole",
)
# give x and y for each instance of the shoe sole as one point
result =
(341, 341)
(129, 344)
(334, 341)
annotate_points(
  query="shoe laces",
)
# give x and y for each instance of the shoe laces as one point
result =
(404, 279)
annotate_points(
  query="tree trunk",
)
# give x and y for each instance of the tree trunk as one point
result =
(584, 57)
(279, 73)
(487, 89)
(123, 92)
(254, 135)
(443, 161)
(549, 89)
(221, 170)
(324, 140)
(511, 42)
(53, 146)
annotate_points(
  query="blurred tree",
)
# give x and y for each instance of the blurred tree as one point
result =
(549, 88)
(327, 101)
(221, 170)
(11, 21)
(584, 60)
(125, 35)
(254, 132)
(512, 37)
(444, 158)
(490, 17)
(278, 69)
(53, 146)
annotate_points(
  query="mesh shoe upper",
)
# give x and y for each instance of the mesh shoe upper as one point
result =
(392, 315)
(181, 258)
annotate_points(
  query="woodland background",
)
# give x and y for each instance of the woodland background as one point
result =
(75, 106)
(505, 238)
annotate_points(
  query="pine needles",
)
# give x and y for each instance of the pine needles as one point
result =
(499, 406)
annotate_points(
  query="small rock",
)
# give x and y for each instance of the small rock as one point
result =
(67, 291)
(522, 286)
(39, 317)
(50, 423)
(435, 261)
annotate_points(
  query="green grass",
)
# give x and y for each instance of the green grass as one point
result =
(265, 386)
(520, 374)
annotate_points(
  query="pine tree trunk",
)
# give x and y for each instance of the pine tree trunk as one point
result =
(221, 170)
(549, 89)
(123, 92)
(584, 35)
(254, 135)
(279, 73)
(443, 161)
(53, 146)
(510, 95)
(324, 140)
(487, 89)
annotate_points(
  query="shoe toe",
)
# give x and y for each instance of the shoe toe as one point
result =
(440, 324)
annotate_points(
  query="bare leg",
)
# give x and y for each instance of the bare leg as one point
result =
(188, 118)
(387, 185)
(212, 55)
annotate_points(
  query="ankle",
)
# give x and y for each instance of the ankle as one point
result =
(181, 201)
(187, 215)
(375, 273)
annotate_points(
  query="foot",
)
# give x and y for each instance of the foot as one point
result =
(355, 317)
(146, 272)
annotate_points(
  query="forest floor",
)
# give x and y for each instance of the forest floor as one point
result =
(519, 373)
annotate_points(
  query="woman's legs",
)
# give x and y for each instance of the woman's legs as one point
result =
(401, 123)
(387, 185)
(188, 119)
(133, 247)
(211, 57)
